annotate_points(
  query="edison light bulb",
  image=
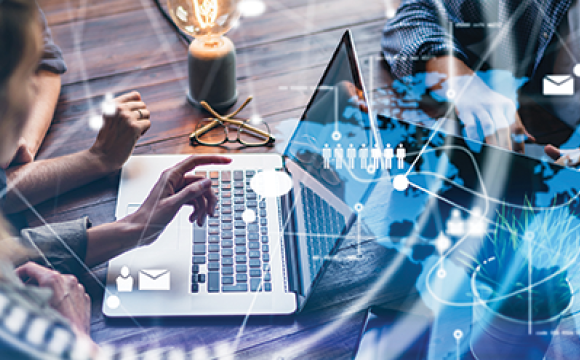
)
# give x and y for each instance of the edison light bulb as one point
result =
(212, 59)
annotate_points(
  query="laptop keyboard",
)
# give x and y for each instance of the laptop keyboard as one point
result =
(323, 227)
(236, 254)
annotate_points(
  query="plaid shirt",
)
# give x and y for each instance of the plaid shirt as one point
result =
(516, 32)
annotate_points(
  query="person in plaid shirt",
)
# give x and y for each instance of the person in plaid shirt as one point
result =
(456, 38)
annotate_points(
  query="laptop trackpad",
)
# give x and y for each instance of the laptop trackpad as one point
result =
(169, 238)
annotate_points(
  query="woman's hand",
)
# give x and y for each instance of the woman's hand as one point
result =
(174, 189)
(563, 157)
(121, 129)
(68, 295)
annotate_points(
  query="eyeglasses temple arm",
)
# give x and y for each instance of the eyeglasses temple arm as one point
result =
(204, 129)
(240, 108)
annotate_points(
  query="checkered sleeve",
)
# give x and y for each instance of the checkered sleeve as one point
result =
(32, 331)
(418, 32)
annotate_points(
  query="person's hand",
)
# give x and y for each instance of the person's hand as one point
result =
(121, 130)
(174, 189)
(68, 295)
(563, 157)
(485, 114)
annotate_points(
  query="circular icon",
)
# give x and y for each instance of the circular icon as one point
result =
(256, 120)
(400, 182)
(336, 136)
(451, 94)
(359, 207)
(458, 334)
(576, 70)
(371, 169)
(96, 122)
(529, 235)
(113, 302)
(441, 273)
(249, 216)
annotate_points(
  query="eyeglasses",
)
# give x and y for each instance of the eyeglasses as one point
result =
(216, 131)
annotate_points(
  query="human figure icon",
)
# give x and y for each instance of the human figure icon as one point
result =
(376, 155)
(326, 155)
(125, 280)
(401, 154)
(455, 224)
(363, 154)
(351, 156)
(389, 155)
(338, 156)
(476, 223)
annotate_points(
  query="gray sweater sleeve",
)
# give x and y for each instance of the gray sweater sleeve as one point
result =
(52, 59)
(62, 245)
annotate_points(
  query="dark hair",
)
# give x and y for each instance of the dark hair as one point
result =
(16, 17)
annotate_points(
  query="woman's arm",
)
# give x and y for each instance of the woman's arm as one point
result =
(38, 181)
(48, 85)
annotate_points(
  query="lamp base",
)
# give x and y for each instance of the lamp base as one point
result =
(212, 73)
(216, 106)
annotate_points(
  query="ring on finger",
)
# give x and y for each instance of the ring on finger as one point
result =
(140, 113)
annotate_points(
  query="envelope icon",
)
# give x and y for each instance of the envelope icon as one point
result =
(154, 279)
(558, 85)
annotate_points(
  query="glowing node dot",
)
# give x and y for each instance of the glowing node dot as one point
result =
(113, 302)
(529, 235)
(400, 182)
(256, 120)
(371, 169)
(451, 94)
(442, 243)
(358, 207)
(458, 334)
(249, 216)
(441, 273)
(336, 136)
(250, 8)
(577, 70)
(109, 107)
(96, 122)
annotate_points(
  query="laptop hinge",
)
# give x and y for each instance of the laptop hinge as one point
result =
(288, 222)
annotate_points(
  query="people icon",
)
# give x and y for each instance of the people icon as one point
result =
(326, 155)
(351, 156)
(338, 156)
(401, 154)
(363, 154)
(125, 280)
(455, 224)
(376, 155)
(389, 155)
(476, 223)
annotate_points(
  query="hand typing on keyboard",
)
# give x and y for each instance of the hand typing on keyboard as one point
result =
(174, 189)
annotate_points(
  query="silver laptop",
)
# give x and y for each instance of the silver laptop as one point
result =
(279, 223)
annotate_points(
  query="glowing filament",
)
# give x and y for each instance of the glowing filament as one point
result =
(206, 12)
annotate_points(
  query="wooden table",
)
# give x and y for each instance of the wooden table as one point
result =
(119, 46)
(123, 45)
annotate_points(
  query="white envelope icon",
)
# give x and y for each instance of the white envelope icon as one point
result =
(558, 85)
(154, 279)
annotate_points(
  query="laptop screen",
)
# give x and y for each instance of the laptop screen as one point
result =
(333, 139)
